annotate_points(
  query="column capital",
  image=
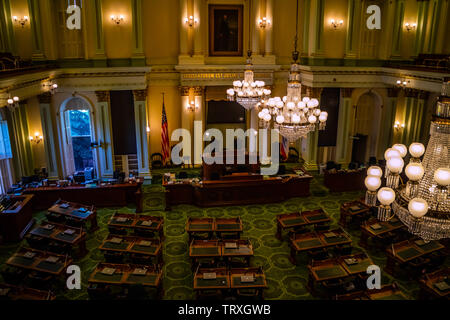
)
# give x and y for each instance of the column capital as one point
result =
(45, 98)
(102, 96)
(411, 93)
(140, 95)
(184, 91)
(393, 92)
(199, 91)
(346, 92)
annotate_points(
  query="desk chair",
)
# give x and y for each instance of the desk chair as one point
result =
(75, 223)
(117, 231)
(281, 170)
(13, 275)
(343, 250)
(141, 259)
(144, 233)
(97, 292)
(59, 248)
(55, 218)
(212, 295)
(324, 226)
(248, 294)
(136, 292)
(113, 257)
(318, 254)
(156, 160)
(38, 280)
(37, 242)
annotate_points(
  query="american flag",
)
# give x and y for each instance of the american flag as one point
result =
(164, 135)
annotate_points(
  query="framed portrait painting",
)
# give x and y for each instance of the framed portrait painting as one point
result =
(225, 30)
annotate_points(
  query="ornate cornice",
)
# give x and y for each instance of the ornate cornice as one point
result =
(102, 96)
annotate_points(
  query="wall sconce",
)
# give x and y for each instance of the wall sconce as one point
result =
(398, 126)
(13, 102)
(264, 22)
(410, 27)
(191, 21)
(51, 86)
(21, 21)
(148, 129)
(117, 19)
(37, 138)
(336, 24)
(402, 83)
(192, 106)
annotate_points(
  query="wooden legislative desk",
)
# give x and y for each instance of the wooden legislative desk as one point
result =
(114, 195)
(17, 219)
(243, 191)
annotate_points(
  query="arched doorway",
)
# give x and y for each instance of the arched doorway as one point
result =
(366, 127)
(78, 133)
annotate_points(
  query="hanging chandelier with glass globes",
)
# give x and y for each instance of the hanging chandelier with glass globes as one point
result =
(293, 115)
(423, 202)
(248, 92)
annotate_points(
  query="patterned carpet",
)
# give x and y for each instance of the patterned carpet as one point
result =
(285, 281)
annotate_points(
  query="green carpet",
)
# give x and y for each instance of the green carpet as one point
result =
(285, 281)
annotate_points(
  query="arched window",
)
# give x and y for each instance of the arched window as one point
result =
(78, 135)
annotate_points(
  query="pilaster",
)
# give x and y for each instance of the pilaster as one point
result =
(48, 134)
(105, 151)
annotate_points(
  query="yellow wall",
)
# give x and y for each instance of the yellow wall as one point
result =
(22, 36)
(35, 127)
(161, 29)
(173, 111)
(334, 40)
(118, 38)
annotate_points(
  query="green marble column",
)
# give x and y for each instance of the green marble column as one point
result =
(398, 28)
(343, 152)
(353, 29)
(318, 25)
(422, 20)
(20, 143)
(104, 133)
(435, 8)
(7, 40)
(48, 134)
(36, 31)
(305, 19)
(138, 58)
(140, 116)
(310, 145)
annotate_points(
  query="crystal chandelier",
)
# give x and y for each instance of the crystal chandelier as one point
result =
(293, 115)
(248, 92)
(423, 203)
